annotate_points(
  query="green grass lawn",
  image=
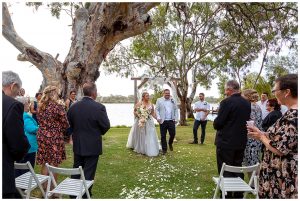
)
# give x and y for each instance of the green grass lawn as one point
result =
(184, 173)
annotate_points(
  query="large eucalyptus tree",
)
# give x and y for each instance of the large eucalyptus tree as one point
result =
(96, 29)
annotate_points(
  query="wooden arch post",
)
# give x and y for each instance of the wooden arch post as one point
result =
(138, 87)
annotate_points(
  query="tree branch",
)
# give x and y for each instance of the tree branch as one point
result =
(42, 60)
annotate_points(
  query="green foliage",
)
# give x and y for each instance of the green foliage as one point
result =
(261, 86)
(262, 26)
(158, 92)
(209, 37)
(223, 78)
(57, 7)
(277, 66)
(116, 99)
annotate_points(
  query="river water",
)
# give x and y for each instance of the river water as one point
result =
(122, 114)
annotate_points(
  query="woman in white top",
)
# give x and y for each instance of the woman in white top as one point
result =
(143, 137)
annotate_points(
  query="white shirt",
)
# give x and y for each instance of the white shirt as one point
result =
(168, 106)
(263, 107)
(201, 105)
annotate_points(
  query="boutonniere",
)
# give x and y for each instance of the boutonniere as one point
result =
(205, 103)
(172, 100)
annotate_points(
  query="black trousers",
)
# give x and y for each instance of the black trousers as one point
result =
(89, 166)
(232, 157)
(168, 125)
(15, 195)
(197, 123)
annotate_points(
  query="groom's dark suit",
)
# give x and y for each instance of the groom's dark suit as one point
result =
(88, 120)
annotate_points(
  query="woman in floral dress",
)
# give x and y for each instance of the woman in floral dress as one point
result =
(278, 176)
(253, 147)
(53, 124)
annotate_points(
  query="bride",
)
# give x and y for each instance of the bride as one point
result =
(143, 137)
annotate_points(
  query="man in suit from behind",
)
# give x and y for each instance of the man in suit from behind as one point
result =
(14, 141)
(88, 121)
(231, 137)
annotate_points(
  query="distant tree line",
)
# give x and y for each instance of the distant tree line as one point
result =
(116, 99)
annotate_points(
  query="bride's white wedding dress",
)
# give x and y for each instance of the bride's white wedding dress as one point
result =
(144, 139)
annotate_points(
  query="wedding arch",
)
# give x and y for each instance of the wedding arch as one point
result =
(152, 81)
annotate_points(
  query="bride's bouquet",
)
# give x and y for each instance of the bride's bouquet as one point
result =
(143, 115)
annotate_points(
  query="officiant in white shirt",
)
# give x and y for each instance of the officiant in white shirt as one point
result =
(201, 108)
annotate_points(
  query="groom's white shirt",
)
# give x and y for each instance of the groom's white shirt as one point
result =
(166, 109)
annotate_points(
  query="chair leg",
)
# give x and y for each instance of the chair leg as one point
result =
(29, 188)
(23, 195)
(223, 194)
(48, 188)
(256, 186)
(216, 192)
(88, 193)
(41, 189)
(28, 193)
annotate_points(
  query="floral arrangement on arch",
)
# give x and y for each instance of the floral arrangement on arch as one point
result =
(143, 114)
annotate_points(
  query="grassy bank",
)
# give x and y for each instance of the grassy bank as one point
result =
(184, 173)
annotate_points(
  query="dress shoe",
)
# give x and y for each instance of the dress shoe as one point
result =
(164, 152)
(193, 142)
(171, 147)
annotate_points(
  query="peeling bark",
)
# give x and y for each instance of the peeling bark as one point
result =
(95, 32)
(46, 63)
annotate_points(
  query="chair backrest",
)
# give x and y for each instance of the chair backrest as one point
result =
(64, 171)
(236, 169)
(24, 166)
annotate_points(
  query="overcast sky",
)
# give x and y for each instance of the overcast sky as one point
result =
(40, 29)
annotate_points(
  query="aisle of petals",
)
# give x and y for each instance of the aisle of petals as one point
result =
(157, 178)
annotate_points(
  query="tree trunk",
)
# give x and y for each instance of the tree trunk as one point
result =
(183, 103)
(182, 90)
(189, 108)
(95, 32)
(190, 100)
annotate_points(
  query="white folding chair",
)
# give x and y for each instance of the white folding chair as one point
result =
(74, 187)
(231, 184)
(28, 181)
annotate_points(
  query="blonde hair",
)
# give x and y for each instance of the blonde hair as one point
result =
(251, 95)
(48, 96)
(144, 94)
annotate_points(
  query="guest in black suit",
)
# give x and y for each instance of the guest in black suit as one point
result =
(274, 114)
(231, 137)
(14, 141)
(88, 121)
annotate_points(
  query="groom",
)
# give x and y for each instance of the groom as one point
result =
(167, 116)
